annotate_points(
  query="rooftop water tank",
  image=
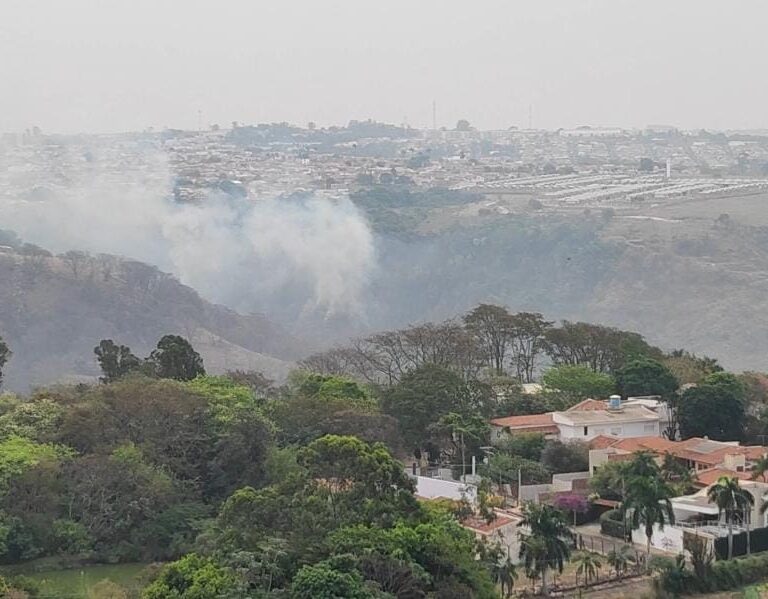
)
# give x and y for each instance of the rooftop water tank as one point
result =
(614, 402)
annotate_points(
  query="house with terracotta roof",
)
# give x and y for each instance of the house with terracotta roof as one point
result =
(707, 458)
(586, 420)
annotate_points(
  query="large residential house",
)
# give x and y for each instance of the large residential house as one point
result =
(707, 458)
(635, 417)
(709, 461)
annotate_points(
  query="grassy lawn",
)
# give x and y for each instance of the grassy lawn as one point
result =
(75, 583)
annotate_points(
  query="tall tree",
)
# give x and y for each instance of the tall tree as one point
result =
(645, 376)
(547, 545)
(733, 502)
(465, 433)
(175, 358)
(527, 343)
(492, 326)
(578, 382)
(690, 368)
(426, 394)
(5, 355)
(115, 360)
(603, 349)
(714, 409)
(647, 503)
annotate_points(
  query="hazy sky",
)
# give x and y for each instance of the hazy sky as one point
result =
(115, 65)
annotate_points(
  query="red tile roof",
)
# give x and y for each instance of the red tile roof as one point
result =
(483, 527)
(710, 476)
(587, 405)
(655, 444)
(603, 442)
(515, 422)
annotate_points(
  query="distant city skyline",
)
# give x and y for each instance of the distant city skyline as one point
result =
(111, 66)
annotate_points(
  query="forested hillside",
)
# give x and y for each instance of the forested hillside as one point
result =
(679, 275)
(54, 309)
(241, 488)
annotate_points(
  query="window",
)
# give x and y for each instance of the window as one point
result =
(649, 428)
(586, 430)
(616, 431)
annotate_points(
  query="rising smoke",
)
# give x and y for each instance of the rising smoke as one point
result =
(308, 255)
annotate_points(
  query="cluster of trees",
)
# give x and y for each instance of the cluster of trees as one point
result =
(475, 367)
(123, 471)
(488, 341)
(248, 490)
(173, 358)
(256, 490)
(533, 459)
(343, 523)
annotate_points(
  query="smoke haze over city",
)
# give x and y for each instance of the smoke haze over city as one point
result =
(106, 66)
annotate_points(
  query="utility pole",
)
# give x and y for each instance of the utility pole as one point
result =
(434, 115)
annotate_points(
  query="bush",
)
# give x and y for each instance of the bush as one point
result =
(612, 524)
(723, 576)
(70, 536)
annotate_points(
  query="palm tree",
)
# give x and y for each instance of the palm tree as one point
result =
(547, 545)
(504, 574)
(588, 565)
(731, 499)
(760, 468)
(619, 560)
(643, 465)
(677, 474)
(647, 503)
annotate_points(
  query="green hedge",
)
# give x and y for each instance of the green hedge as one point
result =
(723, 576)
(612, 524)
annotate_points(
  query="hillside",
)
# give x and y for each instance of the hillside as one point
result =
(680, 274)
(55, 309)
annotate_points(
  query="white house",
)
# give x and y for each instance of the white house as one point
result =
(587, 420)
(627, 421)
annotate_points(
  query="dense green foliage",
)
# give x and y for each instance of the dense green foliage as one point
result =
(676, 578)
(579, 381)
(714, 408)
(175, 358)
(115, 360)
(246, 490)
(645, 376)
(251, 490)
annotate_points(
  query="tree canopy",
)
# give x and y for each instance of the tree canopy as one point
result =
(715, 409)
(175, 358)
(645, 376)
(578, 381)
(115, 360)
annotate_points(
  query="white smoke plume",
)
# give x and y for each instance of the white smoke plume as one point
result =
(309, 255)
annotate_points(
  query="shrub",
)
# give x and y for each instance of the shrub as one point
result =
(612, 524)
(675, 579)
